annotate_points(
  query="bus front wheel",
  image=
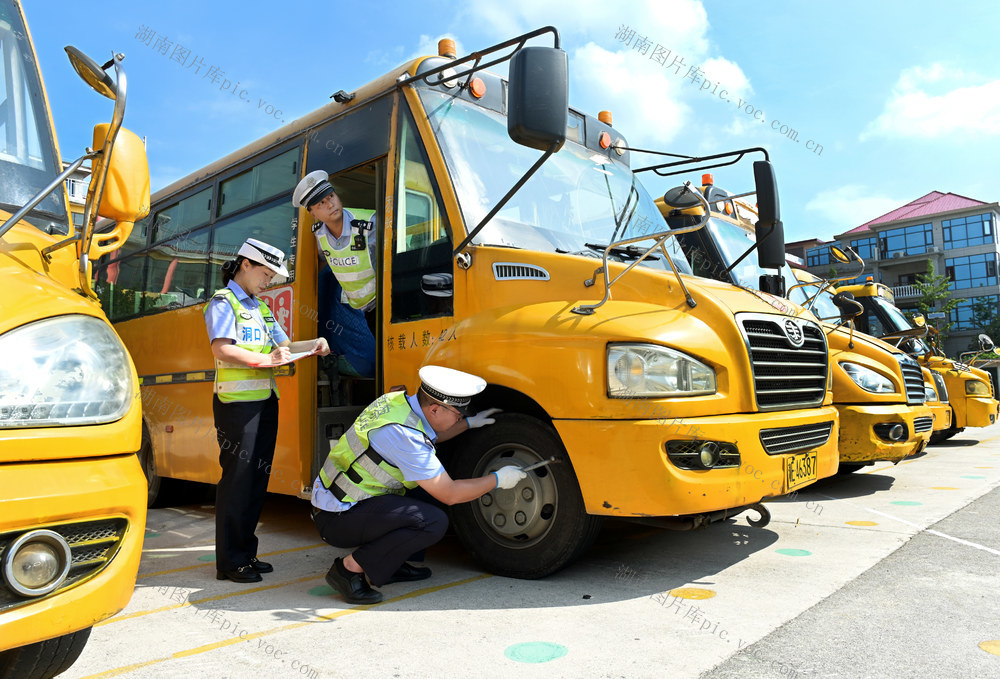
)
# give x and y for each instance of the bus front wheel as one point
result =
(149, 467)
(44, 659)
(539, 526)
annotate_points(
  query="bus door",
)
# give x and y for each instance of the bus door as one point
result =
(353, 150)
(420, 289)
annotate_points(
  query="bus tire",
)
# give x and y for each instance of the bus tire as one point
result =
(43, 659)
(148, 463)
(945, 434)
(539, 526)
(850, 467)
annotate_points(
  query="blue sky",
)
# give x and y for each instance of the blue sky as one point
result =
(903, 97)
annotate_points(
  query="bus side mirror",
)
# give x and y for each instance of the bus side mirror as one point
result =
(918, 320)
(985, 342)
(126, 188)
(849, 307)
(538, 98)
(770, 231)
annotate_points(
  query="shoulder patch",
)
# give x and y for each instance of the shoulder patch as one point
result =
(315, 227)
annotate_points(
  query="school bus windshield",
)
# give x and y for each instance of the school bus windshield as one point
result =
(578, 195)
(27, 150)
(884, 318)
(822, 307)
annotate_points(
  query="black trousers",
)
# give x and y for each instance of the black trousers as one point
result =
(387, 530)
(247, 431)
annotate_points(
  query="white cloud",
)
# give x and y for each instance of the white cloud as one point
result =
(851, 205)
(922, 106)
(639, 94)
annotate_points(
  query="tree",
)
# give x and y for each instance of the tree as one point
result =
(986, 319)
(935, 296)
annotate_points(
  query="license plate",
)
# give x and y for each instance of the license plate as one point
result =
(799, 470)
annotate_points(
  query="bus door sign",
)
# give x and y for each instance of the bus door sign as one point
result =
(279, 300)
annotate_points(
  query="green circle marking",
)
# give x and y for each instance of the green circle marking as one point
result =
(905, 503)
(207, 557)
(794, 552)
(150, 534)
(972, 477)
(535, 651)
(322, 590)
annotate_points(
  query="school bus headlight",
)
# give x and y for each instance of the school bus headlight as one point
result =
(63, 371)
(929, 393)
(648, 370)
(976, 388)
(36, 563)
(868, 379)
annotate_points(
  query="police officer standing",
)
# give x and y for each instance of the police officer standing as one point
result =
(348, 246)
(367, 496)
(247, 343)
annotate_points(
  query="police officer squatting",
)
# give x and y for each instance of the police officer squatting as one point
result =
(379, 488)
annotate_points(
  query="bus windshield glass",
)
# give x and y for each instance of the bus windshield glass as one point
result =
(27, 149)
(884, 318)
(578, 196)
(822, 307)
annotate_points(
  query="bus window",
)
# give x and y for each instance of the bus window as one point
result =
(188, 214)
(119, 286)
(421, 244)
(256, 185)
(271, 223)
(177, 272)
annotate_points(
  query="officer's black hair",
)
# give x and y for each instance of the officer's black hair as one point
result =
(230, 267)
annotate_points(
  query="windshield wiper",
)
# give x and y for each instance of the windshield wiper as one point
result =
(630, 251)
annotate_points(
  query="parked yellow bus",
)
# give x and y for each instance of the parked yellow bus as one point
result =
(72, 494)
(639, 380)
(970, 390)
(878, 390)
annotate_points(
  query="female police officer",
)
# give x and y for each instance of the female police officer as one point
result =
(247, 344)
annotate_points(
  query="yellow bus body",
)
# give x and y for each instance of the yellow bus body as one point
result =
(82, 482)
(970, 390)
(540, 360)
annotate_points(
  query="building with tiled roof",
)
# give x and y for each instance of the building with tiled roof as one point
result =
(956, 233)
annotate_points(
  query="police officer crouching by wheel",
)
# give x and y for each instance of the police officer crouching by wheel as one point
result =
(372, 492)
(247, 343)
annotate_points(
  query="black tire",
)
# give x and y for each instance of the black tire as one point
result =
(850, 467)
(538, 527)
(945, 434)
(44, 659)
(148, 463)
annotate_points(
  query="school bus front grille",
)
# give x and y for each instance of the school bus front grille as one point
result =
(793, 439)
(913, 378)
(92, 544)
(922, 424)
(785, 376)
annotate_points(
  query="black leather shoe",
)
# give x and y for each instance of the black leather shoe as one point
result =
(242, 574)
(261, 566)
(353, 587)
(408, 573)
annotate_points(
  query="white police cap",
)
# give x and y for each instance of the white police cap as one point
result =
(262, 253)
(311, 189)
(451, 387)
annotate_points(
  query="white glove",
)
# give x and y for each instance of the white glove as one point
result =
(509, 476)
(482, 419)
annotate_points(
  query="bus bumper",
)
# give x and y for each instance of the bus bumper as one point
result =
(942, 416)
(623, 468)
(865, 432)
(980, 411)
(56, 495)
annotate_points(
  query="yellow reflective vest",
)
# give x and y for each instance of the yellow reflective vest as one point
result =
(354, 470)
(353, 268)
(235, 381)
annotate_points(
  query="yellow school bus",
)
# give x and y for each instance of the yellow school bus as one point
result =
(550, 279)
(72, 494)
(969, 390)
(878, 390)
